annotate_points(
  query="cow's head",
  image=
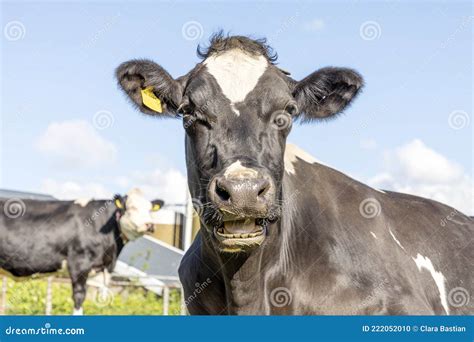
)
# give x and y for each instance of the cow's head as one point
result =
(237, 109)
(135, 213)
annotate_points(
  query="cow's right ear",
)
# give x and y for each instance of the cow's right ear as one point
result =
(150, 87)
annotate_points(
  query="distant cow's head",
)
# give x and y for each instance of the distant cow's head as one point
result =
(136, 213)
(237, 108)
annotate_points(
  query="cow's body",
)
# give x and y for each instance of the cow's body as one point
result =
(51, 232)
(325, 257)
(280, 233)
(85, 235)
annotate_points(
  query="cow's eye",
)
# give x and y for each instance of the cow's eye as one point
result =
(291, 108)
(282, 120)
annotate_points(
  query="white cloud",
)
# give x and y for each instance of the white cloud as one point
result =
(76, 143)
(73, 190)
(416, 169)
(170, 184)
(314, 25)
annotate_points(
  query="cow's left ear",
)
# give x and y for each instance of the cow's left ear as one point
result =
(119, 202)
(150, 87)
(326, 92)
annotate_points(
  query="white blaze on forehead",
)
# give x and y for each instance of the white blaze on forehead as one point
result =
(236, 72)
(137, 212)
(82, 201)
(237, 170)
(425, 262)
(136, 200)
(292, 152)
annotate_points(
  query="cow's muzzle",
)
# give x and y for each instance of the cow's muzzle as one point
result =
(244, 201)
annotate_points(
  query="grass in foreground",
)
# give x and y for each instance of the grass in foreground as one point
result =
(29, 298)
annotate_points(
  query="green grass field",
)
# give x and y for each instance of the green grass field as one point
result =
(29, 298)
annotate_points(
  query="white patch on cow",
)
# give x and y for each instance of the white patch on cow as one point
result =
(292, 152)
(237, 170)
(82, 201)
(395, 238)
(78, 312)
(425, 262)
(235, 110)
(237, 73)
(373, 234)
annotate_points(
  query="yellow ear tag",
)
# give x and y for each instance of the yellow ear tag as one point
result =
(150, 100)
(156, 207)
(118, 204)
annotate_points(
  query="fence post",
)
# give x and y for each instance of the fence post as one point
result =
(49, 296)
(183, 303)
(166, 300)
(188, 226)
(3, 309)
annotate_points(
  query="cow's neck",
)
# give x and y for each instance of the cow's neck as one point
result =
(111, 230)
(241, 273)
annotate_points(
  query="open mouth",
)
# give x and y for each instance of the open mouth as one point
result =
(239, 234)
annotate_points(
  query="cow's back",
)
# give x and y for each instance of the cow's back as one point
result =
(412, 252)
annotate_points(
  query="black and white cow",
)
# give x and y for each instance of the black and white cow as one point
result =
(282, 233)
(37, 237)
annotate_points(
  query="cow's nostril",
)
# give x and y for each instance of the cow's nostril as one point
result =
(263, 188)
(222, 193)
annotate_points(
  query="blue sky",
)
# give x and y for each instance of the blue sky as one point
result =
(410, 130)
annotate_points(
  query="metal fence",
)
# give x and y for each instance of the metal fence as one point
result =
(168, 283)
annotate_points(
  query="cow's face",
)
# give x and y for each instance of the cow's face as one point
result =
(237, 109)
(136, 213)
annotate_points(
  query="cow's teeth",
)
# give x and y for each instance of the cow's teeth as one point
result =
(221, 231)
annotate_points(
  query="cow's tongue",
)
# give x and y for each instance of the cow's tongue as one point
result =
(240, 226)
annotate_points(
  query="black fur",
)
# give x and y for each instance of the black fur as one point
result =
(327, 92)
(219, 42)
